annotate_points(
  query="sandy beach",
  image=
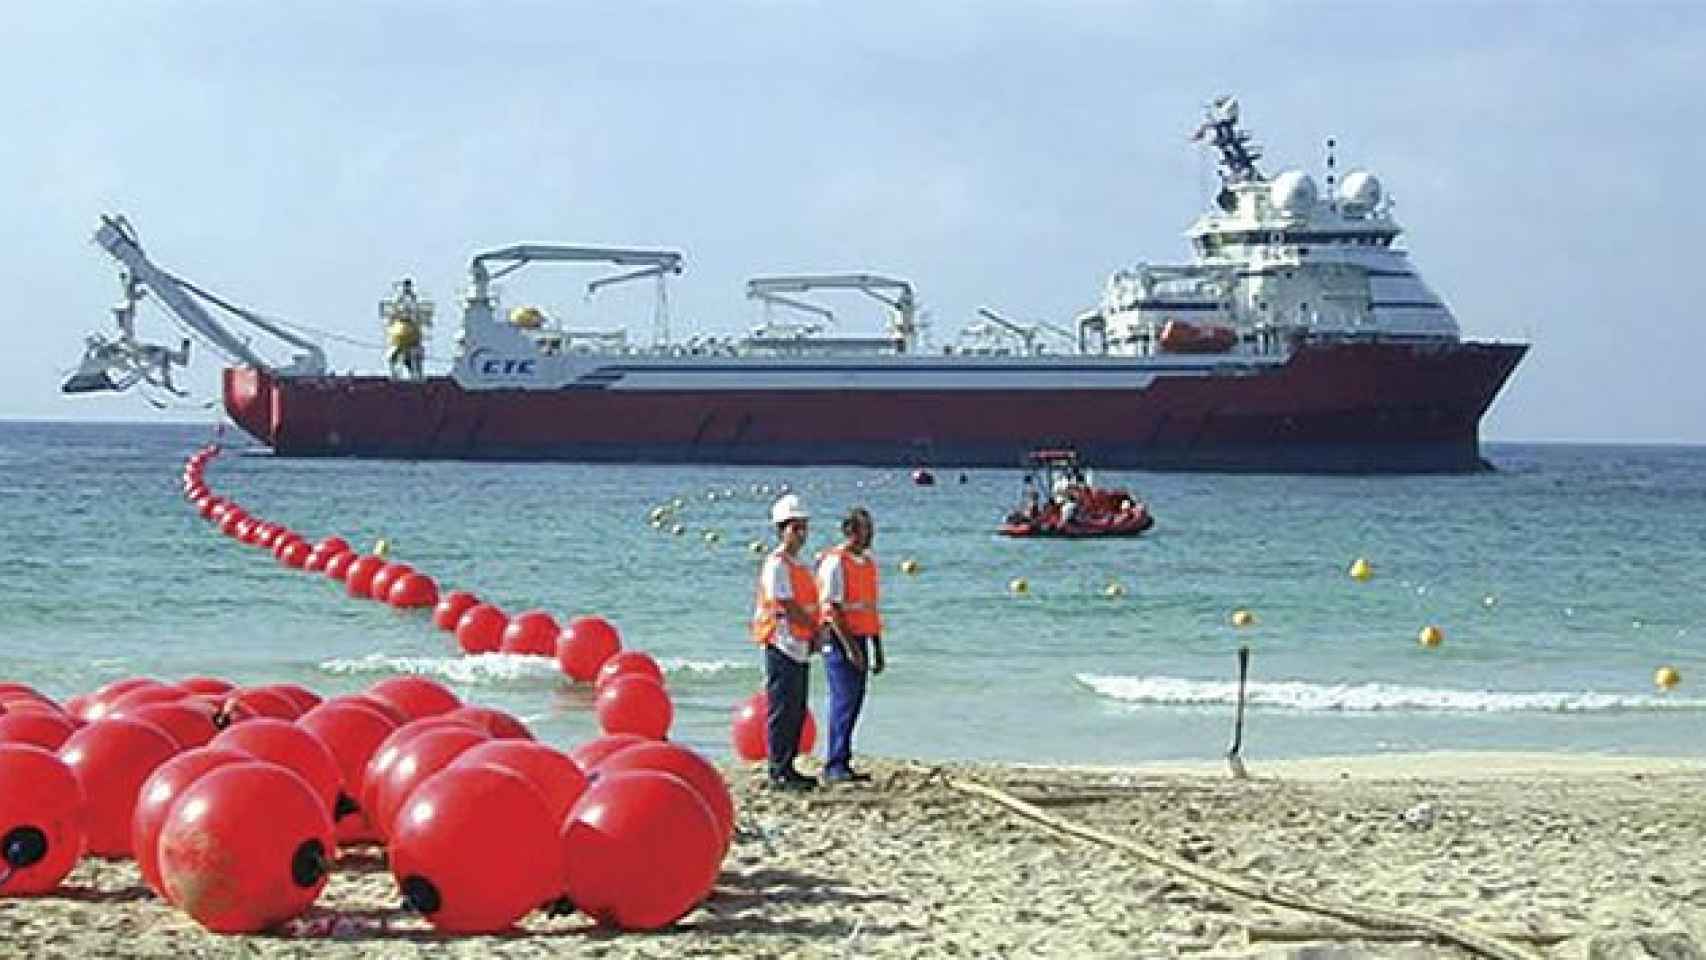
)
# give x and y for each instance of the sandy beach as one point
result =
(1554, 856)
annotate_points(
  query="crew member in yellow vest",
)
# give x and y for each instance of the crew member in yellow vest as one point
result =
(785, 622)
(847, 584)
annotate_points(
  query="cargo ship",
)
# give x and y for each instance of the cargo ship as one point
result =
(1298, 337)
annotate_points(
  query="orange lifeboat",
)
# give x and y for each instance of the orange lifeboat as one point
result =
(1179, 336)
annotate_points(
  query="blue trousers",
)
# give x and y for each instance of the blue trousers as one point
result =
(846, 697)
(785, 686)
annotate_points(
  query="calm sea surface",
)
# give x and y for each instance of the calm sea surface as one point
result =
(1562, 582)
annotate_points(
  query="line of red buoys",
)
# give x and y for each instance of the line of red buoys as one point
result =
(484, 823)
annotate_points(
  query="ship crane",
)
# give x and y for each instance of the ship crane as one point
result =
(897, 295)
(659, 264)
(1027, 335)
(122, 362)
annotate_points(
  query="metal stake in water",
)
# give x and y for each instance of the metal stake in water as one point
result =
(1232, 759)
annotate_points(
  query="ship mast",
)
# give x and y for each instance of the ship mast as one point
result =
(1238, 155)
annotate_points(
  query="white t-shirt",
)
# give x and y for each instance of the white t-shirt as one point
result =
(775, 583)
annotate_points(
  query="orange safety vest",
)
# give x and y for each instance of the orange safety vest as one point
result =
(767, 612)
(859, 586)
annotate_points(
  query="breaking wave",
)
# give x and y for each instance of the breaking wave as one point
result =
(479, 668)
(1305, 697)
(496, 668)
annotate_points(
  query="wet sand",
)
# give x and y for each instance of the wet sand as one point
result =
(1559, 856)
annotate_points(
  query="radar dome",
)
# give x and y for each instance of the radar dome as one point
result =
(1360, 192)
(1293, 192)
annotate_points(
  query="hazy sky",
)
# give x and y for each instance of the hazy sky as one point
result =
(298, 156)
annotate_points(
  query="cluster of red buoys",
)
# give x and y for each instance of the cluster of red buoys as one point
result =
(631, 693)
(233, 802)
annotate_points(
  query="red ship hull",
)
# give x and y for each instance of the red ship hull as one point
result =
(1362, 407)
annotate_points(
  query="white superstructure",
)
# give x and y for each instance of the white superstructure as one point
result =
(1277, 259)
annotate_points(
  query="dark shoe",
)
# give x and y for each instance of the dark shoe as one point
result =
(846, 776)
(793, 784)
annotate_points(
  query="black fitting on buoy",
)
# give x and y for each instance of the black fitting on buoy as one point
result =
(344, 806)
(23, 847)
(420, 895)
(310, 865)
(560, 907)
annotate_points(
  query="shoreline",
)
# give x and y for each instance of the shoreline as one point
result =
(1556, 855)
(1467, 765)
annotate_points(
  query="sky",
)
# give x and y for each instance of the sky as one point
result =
(298, 157)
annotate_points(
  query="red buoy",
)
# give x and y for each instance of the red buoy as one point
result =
(481, 629)
(189, 725)
(247, 702)
(586, 643)
(676, 759)
(629, 663)
(245, 848)
(641, 849)
(533, 632)
(390, 750)
(41, 728)
(300, 696)
(413, 591)
(749, 734)
(379, 588)
(111, 758)
(557, 777)
(331, 545)
(338, 564)
(352, 730)
(415, 697)
(451, 607)
(499, 724)
(635, 705)
(154, 803)
(590, 754)
(207, 685)
(475, 849)
(100, 701)
(419, 758)
(358, 579)
(297, 750)
(136, 697)
(43, 820)
(294, 554)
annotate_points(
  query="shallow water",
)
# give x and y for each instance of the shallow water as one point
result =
(1562, 582)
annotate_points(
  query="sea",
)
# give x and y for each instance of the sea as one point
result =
(1561, 582)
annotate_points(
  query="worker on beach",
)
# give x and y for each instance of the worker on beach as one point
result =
(785, 623)
(847, 588)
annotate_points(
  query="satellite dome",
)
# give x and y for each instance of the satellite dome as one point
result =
(1293, 192)
(1360, 192)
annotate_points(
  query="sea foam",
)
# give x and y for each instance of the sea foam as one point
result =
(1306, 697)
(496, 668)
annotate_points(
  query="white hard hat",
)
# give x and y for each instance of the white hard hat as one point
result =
(789, 507)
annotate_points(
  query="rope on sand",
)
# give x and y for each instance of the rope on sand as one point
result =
(1464, 935)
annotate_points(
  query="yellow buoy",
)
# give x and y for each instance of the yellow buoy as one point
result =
(1243, 618)
(1430, 636)
(756, 546)
(712, 536)
(1114, 590)
(678, 529)
(1019, 586)
(678, 503)
(1361, 570)
(909, 566)
(382, 548)
(1666, 678)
